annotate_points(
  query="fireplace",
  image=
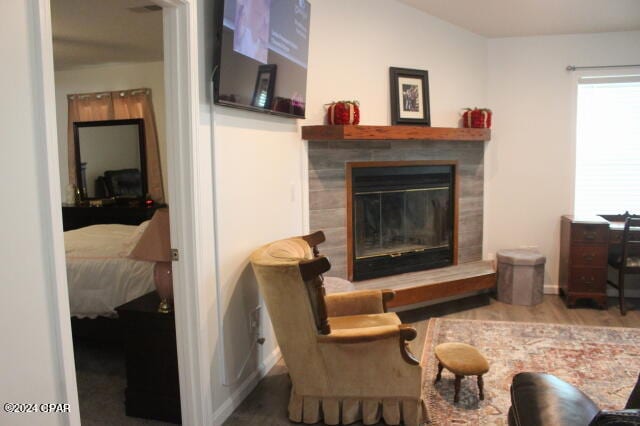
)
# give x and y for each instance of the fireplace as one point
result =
(401, 217)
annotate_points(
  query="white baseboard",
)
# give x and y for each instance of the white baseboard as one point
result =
(551, 289)
(230, 404)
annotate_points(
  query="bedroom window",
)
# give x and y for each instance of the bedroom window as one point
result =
(608, 146)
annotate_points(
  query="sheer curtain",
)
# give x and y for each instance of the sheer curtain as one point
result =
(85, 107)
(119, 105)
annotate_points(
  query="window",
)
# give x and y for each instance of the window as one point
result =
(608, 146)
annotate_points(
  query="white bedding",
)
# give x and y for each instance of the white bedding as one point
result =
(99, 274)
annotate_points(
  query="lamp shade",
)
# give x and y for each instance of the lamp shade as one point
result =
(154, 245)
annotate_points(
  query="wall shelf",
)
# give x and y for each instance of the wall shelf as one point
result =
(351, 132)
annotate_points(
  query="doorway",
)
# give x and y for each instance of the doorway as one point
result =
(180, 56)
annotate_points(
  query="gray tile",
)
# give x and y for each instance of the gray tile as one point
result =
(327, 218)
(326, 179)
(328, 199)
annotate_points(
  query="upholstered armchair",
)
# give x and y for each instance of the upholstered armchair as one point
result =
(348, 358)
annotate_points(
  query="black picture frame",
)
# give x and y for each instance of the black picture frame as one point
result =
(265, 85)
(409, 96)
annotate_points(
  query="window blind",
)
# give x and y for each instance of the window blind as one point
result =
(608, 146)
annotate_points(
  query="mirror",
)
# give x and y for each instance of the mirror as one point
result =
(110, 158)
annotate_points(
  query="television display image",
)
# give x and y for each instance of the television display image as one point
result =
(262, 48)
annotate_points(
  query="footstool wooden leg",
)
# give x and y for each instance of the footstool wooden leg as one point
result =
(439, 375)
(456, 396)
(481, 388)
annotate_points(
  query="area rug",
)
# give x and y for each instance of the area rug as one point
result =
(602, 361)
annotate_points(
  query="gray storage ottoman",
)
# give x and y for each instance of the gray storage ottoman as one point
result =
(520, 276)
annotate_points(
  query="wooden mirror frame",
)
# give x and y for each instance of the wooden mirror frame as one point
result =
(103, 123)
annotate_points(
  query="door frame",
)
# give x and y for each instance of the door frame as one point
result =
(184, 187)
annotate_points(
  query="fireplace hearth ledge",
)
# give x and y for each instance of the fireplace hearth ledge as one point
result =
(434, 284)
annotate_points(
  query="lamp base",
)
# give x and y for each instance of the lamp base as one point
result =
(164, 286)
(164, 307)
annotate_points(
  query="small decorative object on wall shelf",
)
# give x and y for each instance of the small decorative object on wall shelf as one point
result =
(479, 118)
(343, 112)
(409, 96)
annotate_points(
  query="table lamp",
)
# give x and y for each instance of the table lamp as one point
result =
(155, 246)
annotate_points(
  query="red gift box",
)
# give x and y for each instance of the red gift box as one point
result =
(477, 118)
(343, 112)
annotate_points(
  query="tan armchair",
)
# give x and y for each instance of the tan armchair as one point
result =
(347, 357)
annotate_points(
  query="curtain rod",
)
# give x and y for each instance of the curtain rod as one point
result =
(574, 68)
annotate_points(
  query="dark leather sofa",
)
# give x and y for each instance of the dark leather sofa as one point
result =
(539, 399)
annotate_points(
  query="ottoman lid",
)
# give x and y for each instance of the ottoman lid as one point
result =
(521, 257)
(461, 359)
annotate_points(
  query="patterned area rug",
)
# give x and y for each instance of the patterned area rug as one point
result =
(602, 361)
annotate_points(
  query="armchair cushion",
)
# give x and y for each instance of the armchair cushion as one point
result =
(362, 321)
(355, 303)
(360, 335)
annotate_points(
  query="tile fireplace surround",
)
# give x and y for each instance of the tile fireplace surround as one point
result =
(327, 189)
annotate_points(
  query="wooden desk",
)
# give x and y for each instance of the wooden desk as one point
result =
(585, 243)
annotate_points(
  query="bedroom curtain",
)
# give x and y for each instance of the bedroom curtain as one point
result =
(119, 105)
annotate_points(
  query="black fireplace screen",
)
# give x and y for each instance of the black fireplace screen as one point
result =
(402, 219)
(396, 222)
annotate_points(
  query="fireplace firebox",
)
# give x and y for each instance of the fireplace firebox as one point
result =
(401, 217)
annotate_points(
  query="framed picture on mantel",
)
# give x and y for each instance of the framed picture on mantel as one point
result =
(409, 96)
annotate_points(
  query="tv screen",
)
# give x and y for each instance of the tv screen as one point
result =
(262, 47)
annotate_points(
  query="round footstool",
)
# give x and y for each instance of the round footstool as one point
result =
(462, 360)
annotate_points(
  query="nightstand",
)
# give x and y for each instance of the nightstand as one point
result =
(151, 356)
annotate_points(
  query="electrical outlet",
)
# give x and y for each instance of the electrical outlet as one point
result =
(254, 319)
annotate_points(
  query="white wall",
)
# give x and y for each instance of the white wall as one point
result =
(530, 160)
(260, 160)
(109, 77)
(31, 367)
(354, 43)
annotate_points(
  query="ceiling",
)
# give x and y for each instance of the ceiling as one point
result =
(514, 18)
(90, 32)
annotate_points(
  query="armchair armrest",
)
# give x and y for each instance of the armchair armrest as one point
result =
(358, 302)
(404, 333)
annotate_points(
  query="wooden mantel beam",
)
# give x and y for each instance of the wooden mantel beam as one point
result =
(355, 132)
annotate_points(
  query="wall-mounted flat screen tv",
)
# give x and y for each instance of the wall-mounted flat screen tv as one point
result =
(261, 53)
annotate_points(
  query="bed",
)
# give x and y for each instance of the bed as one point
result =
(100, 276)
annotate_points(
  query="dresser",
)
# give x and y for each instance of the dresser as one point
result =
(584, 245)
(74, 217)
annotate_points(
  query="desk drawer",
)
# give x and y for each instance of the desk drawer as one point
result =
(615, 236)
(588, 280)
(586, 233)
(589, 255)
